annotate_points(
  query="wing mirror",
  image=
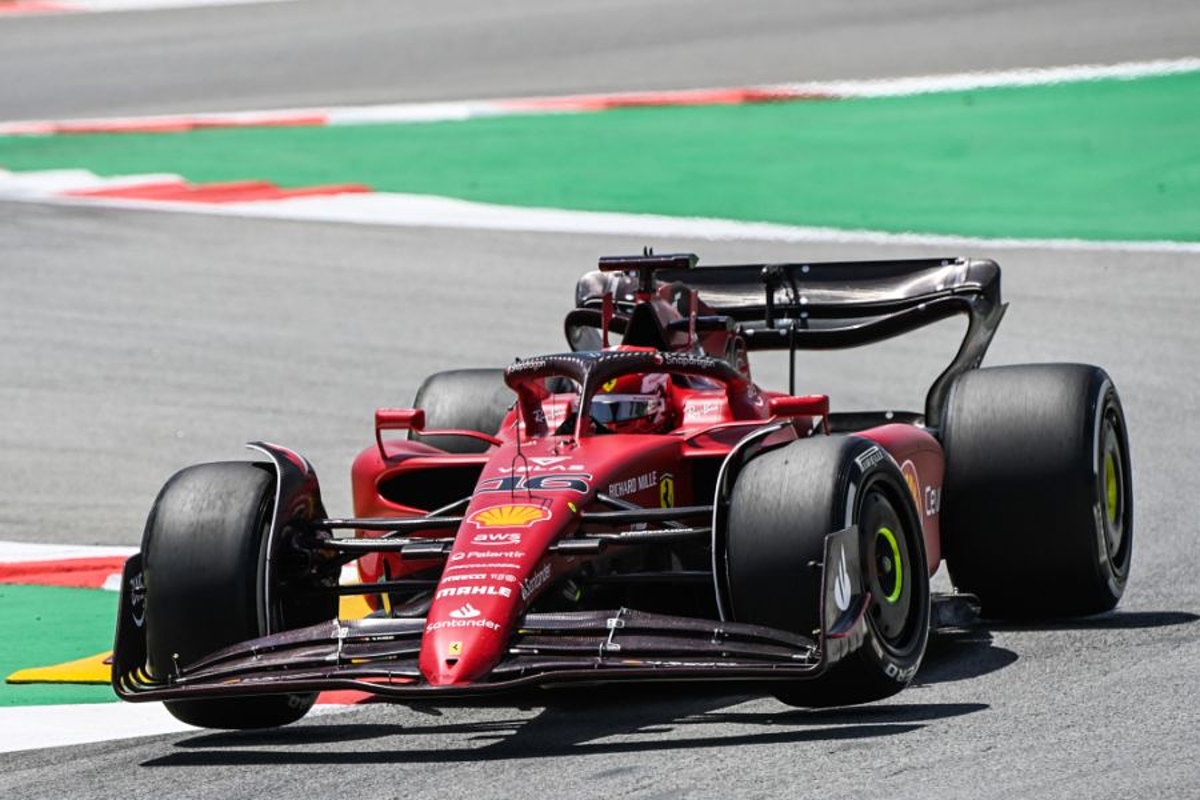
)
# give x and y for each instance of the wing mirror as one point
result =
(805, 405)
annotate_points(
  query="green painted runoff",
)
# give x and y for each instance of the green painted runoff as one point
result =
(1112, 159)
(46, 625)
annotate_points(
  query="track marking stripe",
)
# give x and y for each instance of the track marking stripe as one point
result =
(472, 109)
(37, 727)
(409, 210)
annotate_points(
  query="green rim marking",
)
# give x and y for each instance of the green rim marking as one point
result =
(886, 533)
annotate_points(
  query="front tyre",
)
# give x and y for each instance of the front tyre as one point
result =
(466, 399)
(783, 505)
(204, 554)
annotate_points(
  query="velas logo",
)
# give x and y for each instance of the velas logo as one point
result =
(465, 611)
(510, 516)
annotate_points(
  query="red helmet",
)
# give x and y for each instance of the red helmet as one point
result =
(633, 404)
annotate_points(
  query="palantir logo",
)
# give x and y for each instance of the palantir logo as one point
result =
(466, 611)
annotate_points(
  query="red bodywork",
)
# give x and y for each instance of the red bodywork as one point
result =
(532, 485)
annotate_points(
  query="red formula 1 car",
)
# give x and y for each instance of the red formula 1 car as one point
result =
(645, 511)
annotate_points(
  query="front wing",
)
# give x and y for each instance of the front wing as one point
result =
(379, 655)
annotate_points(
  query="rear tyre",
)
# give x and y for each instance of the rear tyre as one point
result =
(784, 503)
(1037, 510)
(204, 557)
(466, 399)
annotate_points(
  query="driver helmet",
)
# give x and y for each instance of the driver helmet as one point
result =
(634, 403)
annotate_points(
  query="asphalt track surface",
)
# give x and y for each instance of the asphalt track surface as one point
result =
(135, 343)
(317, 52)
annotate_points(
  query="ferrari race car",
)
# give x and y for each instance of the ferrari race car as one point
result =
(638, 509)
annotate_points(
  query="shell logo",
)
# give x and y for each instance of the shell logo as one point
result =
(510, 516)
(909, 470)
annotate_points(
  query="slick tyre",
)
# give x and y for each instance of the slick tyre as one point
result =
(204, 557)
(1037, 509)
(783, 505)
(466, 399)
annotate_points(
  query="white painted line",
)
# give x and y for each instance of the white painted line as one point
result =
(408, 210)
(900, 87)
(22, 552)
(99, 6)
(36, 727)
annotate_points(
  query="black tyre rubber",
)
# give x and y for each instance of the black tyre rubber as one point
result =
(204, 558)
(1037, 508)
(467, 399)
(783, 505)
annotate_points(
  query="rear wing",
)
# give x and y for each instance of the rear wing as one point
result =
(817, 306)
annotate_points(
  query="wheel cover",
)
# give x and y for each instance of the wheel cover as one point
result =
(1113, 490)
(888, 565)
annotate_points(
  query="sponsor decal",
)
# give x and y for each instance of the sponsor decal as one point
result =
(544, 465)
(535, 581)
(485, 565)
(687, 360)
(702, 409)
(509, 516)
(666, 490)
(477, 577)
(460, 591)
(608, 386)
(496, 539)
(633, 485)
(529, 365)
(455, 649)
(465, 611)
(841, 586)
(470, 576)
(933, 500)
(137, 599)
(909, 470)
(554, 482)
(869, 459)
(476, 554)
(462, 623)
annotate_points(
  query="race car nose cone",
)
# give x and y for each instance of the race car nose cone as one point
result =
(456, 656)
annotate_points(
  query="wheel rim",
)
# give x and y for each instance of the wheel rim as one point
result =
(888, 567)
(1113, 488)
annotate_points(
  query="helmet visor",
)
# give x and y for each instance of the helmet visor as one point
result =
(625, 407)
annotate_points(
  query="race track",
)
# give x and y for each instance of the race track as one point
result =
(135, 343)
